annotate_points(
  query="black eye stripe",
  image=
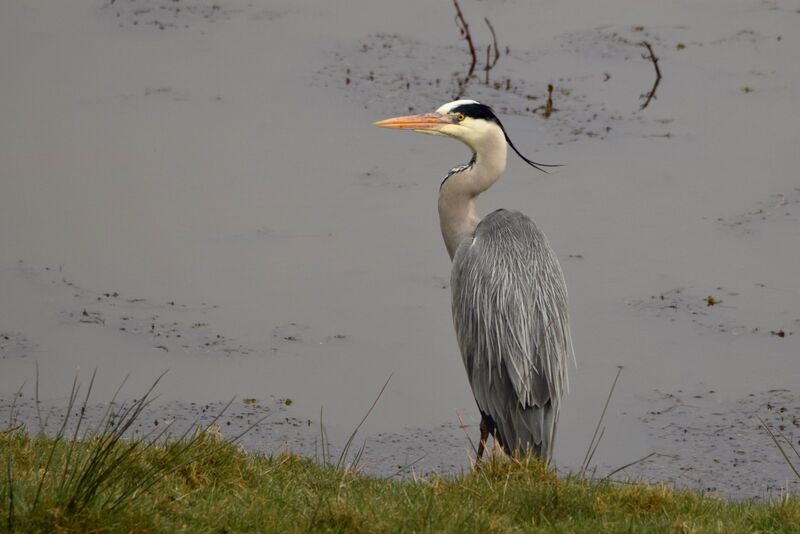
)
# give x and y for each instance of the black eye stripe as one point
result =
(477, 111)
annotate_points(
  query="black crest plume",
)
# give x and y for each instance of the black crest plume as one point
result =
(482, 111)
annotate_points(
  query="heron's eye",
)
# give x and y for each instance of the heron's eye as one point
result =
(460, 117)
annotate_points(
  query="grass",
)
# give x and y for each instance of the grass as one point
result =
(93, 479)
(223, 489)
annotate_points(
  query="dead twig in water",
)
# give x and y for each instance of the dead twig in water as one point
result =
(491, 63)
(652, 57)
(463, 27)
(547, 109)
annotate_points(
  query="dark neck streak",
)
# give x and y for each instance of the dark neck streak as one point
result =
(458, 169)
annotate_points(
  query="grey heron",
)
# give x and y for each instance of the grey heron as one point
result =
(509, 299)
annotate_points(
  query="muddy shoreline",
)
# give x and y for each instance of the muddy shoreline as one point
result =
(699, 442)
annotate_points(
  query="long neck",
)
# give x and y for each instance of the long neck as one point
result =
(457, 216)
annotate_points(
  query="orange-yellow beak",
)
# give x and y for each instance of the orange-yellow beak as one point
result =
(421, 123)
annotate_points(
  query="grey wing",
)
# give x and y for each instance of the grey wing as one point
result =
(510, 316)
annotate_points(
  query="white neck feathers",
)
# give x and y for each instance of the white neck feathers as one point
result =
(457, 216)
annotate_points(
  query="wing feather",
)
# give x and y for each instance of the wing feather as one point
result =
(510, 315)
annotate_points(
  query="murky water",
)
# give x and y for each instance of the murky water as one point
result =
(200, 189)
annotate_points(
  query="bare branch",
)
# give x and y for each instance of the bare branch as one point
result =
(487, 68)
(463, 27)
(491, 63)
(652, 57)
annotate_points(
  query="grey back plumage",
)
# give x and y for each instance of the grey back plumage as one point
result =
(510, 315)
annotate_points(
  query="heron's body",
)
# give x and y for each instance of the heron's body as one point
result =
(510, 315)
(509, 299)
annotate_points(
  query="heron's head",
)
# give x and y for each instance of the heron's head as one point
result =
(469, 121)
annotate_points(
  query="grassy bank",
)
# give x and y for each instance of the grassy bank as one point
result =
(212, 486)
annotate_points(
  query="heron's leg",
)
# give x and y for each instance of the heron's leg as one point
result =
(484, 436)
